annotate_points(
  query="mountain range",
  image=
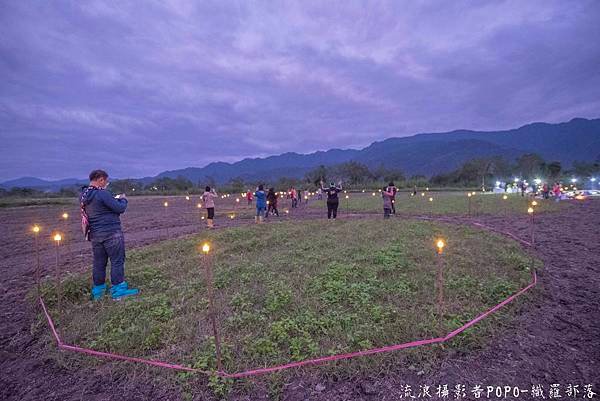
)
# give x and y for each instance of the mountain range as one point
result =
(422, 154)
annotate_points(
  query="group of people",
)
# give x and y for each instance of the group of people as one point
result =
(266, 201)
(101, 225)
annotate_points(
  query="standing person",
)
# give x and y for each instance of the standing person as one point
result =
(319, 193)
(272, 202)
(261, 203)
(208, 198)
(294, 196)
(332, 199)
(101, 225)
(388, 195)
(523, 188)
(556, 191)
(546, 190)
(392, 188)
(299, 195)
(249, 197)
(306, 193)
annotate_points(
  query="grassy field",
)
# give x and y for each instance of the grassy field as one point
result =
(292, 291)
(16, 202)
(442, 203)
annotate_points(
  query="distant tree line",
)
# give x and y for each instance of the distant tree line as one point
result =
(473, 173)
(485, 171)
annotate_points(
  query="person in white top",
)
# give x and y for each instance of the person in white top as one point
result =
(208, 198)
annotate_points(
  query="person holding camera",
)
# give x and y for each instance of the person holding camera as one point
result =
(208, 198)
(101, 224)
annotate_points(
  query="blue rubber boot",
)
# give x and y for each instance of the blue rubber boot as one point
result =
(121, 290)
(98, 292)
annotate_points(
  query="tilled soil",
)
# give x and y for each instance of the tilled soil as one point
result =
(555, 340)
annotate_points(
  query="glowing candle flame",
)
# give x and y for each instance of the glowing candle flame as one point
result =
(187, 198)
(430, 199)
(57, 237)
(504, 197)
(166, 204)
(440, 245)
(36, 229)
(65, 216)
(534, 203)
(530, 210)
(205, 247)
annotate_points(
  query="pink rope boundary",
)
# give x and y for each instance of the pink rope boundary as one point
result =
(315, 361)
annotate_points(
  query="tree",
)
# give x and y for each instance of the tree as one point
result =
(317, 175)
(237, 184)
(353, 172)
(554, 169)
(530, 165)
(208, 180)
(584, 169)
(126, 186)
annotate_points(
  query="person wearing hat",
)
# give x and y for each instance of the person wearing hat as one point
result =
(332, 199)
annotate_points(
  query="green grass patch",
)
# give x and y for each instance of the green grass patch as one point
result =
(291, 291)
(442, 203)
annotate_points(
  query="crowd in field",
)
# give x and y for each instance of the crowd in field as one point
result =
(100, 212)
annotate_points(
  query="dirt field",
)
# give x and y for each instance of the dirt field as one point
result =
(555, 340)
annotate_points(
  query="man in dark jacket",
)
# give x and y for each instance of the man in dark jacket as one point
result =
(102, 211)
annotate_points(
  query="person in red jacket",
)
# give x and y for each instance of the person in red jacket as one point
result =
(249, 197)
(556, 191)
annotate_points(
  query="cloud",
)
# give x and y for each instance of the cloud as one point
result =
(168, 84)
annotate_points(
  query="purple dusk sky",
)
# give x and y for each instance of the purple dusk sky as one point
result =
(141, 87)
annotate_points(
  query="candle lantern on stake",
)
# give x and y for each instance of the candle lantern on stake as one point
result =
(36, 231)
(440, 244)
(531, 225)
(65, 217)
(166, 205)
(207, 262)
(430, 209)
(57, 239)
(469, 195)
